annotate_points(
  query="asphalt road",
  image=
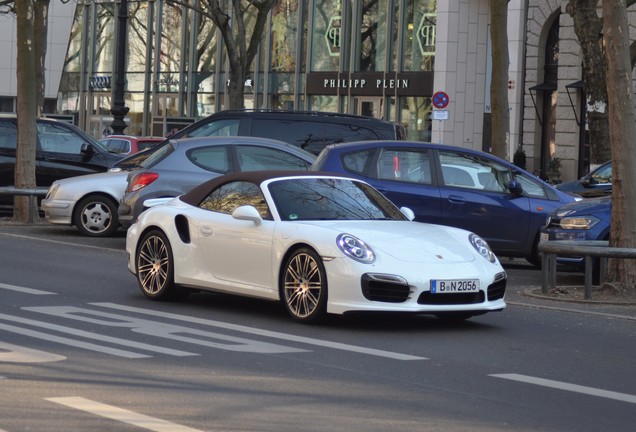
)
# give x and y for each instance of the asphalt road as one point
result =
(81, 349)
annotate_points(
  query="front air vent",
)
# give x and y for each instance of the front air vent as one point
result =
(183, 228)
(385, 288)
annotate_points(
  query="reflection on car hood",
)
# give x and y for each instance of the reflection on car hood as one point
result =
(587, 206)
(409, 241)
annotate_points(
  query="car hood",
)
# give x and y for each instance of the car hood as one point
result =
(586, 206)
(409, 241)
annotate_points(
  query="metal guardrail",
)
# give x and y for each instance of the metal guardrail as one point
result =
(32, 193)
(589, 249)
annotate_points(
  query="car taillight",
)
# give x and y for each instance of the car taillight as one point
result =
(142, 180)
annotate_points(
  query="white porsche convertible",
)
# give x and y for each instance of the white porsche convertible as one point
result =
(319, 243)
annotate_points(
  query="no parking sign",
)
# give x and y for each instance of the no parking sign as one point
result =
(440, 100)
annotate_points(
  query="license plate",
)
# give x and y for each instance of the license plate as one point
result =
(454, 286)
(544, 237)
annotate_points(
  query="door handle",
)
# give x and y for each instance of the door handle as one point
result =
(456, 199)
(206, 231)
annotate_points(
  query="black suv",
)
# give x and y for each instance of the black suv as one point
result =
(62, 150)
(309, 130)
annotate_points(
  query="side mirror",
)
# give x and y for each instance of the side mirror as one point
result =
(408, 213)
(247, 213)
(515, 187)
(87, 151)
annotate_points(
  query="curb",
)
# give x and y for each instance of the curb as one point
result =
(536, 293)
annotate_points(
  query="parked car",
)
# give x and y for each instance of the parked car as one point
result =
(583, 220)
(62, 150)
(309, 130)
(127, 145)
(317, 243)
(184, 163)
(89, 202)
(454, 186)
(594, 184)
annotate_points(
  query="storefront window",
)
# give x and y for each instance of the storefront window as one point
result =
(138, 37)
(416, 117)
(105, 37)
(327, 35)
(170, 56)
(373, 35)
(419, 35)
(284, 35)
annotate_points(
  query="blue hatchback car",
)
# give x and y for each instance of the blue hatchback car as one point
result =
(454, 186)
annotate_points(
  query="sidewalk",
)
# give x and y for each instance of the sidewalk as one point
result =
(524, 289)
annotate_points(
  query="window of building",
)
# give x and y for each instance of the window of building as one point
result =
(418, 46)
(328, 35)
(373, 35)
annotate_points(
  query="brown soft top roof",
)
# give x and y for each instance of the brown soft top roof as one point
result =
(199, 193)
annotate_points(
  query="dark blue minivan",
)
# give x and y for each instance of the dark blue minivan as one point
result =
(454, 186)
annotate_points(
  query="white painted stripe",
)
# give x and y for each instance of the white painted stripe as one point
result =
(10, 353)
(74, 245)
(25, 290)
(121, 415)
(70, 342)
(266, 333)
(96, 336)
(623, 397)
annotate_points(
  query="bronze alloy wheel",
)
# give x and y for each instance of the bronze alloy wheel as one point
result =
(305, 286)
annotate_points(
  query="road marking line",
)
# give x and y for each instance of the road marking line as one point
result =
(99, 337)
(266, 333)
(66, 243)
(623, 397)
(71, 342)
(121, 415)
(10, 353)
(25, 290)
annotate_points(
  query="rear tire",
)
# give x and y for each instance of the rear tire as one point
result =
(155, 268)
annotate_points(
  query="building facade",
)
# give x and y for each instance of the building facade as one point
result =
(423, 63)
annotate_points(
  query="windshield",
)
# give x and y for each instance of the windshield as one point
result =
(330, 199)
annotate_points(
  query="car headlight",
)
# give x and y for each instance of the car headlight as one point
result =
(578, 222)
(481, 246)
(355, 248)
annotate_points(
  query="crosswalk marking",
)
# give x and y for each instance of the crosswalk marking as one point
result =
(623, 397)
(121, 415)
(265, 333)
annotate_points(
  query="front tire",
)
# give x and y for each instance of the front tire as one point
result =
(96, 216)
(155, 267)
(303, 286)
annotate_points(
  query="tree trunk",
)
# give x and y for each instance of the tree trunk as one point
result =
(241, 45)
(622, 120)
(40, 31)
(26, 109)
(499, 83)
(589, 30)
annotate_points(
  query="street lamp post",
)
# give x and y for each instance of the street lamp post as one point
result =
(119, 108)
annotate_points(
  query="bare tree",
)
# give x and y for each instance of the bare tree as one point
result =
(499, 104)
(241, 41)
(588, 27)
(622, 120)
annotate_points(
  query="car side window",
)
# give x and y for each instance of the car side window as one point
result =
(225, 127)
(406, 165)
(531, 187)
(252, 158)
(8, 136)
(57, 139)
(118, 146)
(356, 161)
(603, 175)
(211, 158)
(228, 197)
(474, 172)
